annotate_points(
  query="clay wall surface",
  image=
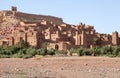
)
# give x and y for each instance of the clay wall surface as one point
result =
(37, 18)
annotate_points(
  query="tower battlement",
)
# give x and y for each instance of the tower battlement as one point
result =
(13, 8)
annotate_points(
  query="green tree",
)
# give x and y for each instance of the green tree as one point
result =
(31, 51)
(116, 51)
(72, 50)
(80, 51)
(94, 41)
(22, 44)
(41, 51)
(45, 45)
(51, 52)
(94, 45)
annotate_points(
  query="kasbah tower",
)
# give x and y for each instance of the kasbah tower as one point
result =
(40, 29)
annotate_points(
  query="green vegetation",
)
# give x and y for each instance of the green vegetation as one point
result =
(23, 50)
(97, 51)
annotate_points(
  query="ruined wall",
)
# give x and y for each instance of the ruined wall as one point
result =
(104, 39)
(37, 18)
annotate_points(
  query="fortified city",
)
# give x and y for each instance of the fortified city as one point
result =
(39, 29)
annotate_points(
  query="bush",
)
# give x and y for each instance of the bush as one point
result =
(116, 51)
(81, 51)
(63, 52)
(38, 52)
(110, 55)
(41, 51)
(28, 52)
(119, 54)
(5, 56)
(22, 44)
(87, 52)
(27, 56)
(12, 49)
(97, 51)
(57, 52)
(107, 50)
(8, 50)
(51, 52)
(22, 51)
(72, 50)
(18, 55)
(31, 51)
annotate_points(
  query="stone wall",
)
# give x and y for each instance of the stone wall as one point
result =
(37, 18)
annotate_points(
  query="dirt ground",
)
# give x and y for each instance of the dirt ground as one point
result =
(60, 67)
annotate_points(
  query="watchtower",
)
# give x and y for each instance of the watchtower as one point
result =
(13, 8)
(115, 38)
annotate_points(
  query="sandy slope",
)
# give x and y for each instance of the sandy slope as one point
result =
(60, 67)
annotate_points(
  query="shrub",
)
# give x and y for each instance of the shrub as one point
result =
(60, 52)
(63, 52)
(72, 50)
(51, 52)
(5, 56)
(27, 56)
(110, 55)
(119, 54)
(18, 55)
(107, 50)
(22, 51)
(8, 50)
(97, 51)
(41, 51)
(31, 51)
(81, 51)
(38, 52)
(116, 51)
(22, 44)
(87, 52)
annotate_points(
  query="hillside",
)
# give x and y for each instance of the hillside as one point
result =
(13, 17)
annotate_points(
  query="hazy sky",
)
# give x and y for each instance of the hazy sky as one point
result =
(104, 15)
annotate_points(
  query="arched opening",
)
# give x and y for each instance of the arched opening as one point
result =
(56, 46)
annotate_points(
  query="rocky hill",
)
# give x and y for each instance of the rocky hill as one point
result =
(13, 17)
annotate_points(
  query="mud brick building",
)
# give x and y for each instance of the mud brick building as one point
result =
(40, 29)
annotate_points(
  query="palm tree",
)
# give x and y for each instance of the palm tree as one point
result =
(95, 41)
(45, 45)
(22, 44)
(94, 45)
